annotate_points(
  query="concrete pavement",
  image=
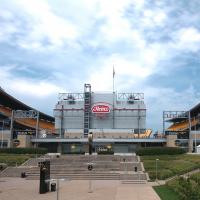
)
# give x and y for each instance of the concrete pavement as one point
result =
(22, 189)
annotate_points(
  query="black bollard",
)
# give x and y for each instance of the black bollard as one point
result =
(90, 141)
(44, 176)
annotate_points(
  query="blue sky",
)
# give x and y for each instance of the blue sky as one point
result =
(50, 46)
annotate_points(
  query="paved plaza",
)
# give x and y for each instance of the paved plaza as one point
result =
(22, 189)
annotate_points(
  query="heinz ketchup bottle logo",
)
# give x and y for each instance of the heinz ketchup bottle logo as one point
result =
(100, 108)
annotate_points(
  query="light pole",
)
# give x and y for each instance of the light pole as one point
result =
(57, 190)
(90, 168)
(58, 185)
(157, 169)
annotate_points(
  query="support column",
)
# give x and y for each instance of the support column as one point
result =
(37, 124)
(61, 123)
(138, 121)
(37, 129)
(59, 148)
(163, 122)
(190, 142)
(2, 133)
(11, 129)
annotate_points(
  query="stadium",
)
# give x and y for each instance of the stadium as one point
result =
(117, 122)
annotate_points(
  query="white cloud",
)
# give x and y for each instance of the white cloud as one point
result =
(39, 89)
(5, 14)
(7, 29)
(43, 25)
(112, 9)
(154, 17)
(28, 86)
(132, 68)
(187, 39)
(116, 29)
(159, 17)
(136, 71)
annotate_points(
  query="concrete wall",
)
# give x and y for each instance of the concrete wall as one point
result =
(171, 140)
(5, 136)
(72, 119)
(25, 141)
(102, 133)
(195, 134)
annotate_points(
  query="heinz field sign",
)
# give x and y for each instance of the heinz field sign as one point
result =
(100, 108)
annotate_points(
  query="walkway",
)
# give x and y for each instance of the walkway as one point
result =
(18, 188)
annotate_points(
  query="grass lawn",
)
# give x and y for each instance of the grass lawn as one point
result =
(165, 193)
(170, 165)
(13, 159)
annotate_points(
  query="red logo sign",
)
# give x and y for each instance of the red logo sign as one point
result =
(100, 108)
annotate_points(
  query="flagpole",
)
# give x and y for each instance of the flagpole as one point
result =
(113, 79)
(113, 97)
(113, 85)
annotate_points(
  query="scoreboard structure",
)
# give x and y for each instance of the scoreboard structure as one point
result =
(100, 112)
(105, 114)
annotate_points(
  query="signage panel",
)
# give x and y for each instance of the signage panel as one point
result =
(100, 108)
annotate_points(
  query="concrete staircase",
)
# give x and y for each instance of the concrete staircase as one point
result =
(105, 167)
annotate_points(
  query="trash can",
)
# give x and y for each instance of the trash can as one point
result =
(23, 175)
(53, 187)
(135, 169)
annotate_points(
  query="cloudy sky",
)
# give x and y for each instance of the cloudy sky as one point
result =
(52, 46)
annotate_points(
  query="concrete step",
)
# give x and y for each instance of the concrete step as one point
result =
(77, 174)
(78, 177)
(106, 167)
(73, 175)
(86, 158)
(133, 181)
(85, 171)
(91, 176)
(12, 172)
